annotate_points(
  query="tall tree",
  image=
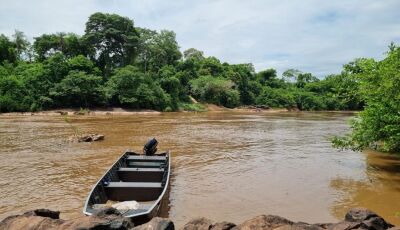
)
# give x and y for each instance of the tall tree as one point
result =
(7, 50)
(21, 44)
(69, 44)
(193, 53)
(113, 40)
(145, 45)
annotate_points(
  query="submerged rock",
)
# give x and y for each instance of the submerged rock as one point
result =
(91, 137)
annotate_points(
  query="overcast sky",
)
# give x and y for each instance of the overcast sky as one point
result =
(309, 35)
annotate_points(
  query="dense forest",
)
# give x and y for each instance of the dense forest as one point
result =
(115, 63)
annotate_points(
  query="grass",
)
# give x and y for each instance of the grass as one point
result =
(192, 107)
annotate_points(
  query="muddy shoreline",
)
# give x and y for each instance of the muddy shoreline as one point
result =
(122, 111)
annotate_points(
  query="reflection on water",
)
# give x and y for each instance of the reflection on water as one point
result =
(226, 165)
(378, 190)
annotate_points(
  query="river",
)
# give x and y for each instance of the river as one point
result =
(226, 165)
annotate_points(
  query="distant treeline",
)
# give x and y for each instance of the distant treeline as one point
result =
(117, 64)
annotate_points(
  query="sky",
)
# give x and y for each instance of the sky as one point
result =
(316, 36)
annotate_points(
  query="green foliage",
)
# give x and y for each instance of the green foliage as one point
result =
(309, 101)
(193, 53)
(112, 40)
(12, 95)
(81, 63)
(21, 44)
(117, 64)
(277, 98)
(378, 126)
(7, 50)
(157, 49)
(192, 107)
(69, 45)
(78, 88)
(131, 88)
(215, 90)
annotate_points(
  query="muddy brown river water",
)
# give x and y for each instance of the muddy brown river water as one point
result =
(226, 165)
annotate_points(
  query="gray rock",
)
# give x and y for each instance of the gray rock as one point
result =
(359, 214)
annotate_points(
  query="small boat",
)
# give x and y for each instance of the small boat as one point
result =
(136, 185)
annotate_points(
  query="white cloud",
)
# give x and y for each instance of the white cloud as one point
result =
(310, 35)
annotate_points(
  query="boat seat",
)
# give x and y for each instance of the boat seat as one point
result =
(145, 164)
(140, 174)
(134, 185)
(139, 191)
(146, 158)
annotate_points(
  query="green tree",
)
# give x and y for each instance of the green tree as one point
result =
(7, 50)
(81, 63)
(164, 50)
(215, 90)
(12, 95)
(145, 47)
(378, 126)
(78, 89)
(193, 53)
(245, 81)
(113, 40)
(21, 44)
(131, 88)
(68, 44)
(276, 98)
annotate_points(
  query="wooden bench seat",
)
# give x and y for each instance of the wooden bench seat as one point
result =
(139, 191)
(140, 174)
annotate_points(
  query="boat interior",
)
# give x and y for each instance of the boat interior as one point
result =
(135, 177)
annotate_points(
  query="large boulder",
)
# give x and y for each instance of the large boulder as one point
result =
(43, 219)
(37, 219)
(198, 224)
(361, 218)
(157, 223)
(222, 226)
(264, 222)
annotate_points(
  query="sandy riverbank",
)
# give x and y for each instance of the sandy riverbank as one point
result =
(122, 111)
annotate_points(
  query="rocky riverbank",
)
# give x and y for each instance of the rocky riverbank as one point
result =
(41, 219)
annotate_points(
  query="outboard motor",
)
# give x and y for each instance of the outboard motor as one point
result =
(150, 147)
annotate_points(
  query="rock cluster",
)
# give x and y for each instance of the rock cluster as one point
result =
(111, 219)
(43, 219)
(357, 218)
(91, 137)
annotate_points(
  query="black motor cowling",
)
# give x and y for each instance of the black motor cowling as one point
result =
(150, 147)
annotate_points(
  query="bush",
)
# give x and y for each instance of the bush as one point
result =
(276, 98)
(131, 88)
(215, 90)
(78, 89)
(192, 107)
